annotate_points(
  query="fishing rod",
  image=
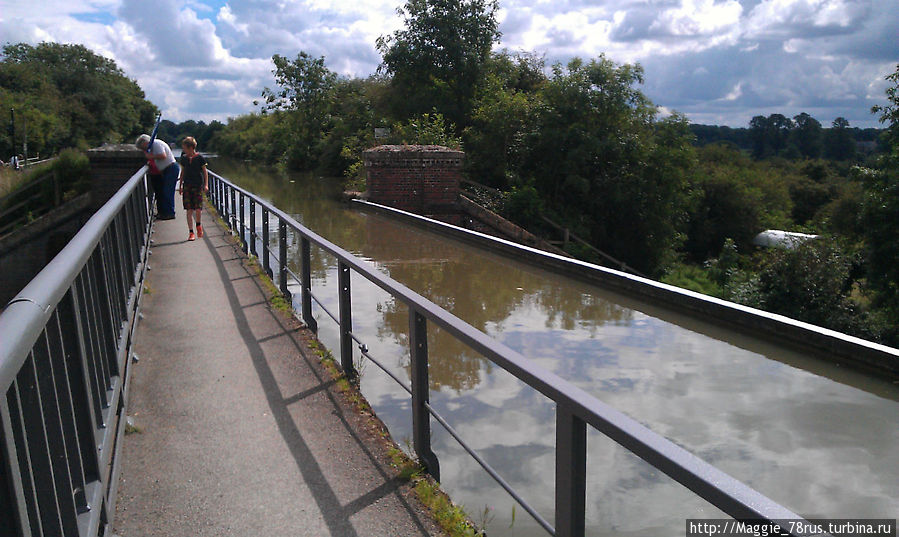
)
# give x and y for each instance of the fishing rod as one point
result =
(153, 134)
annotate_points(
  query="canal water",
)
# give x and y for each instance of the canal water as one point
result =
(817, 438)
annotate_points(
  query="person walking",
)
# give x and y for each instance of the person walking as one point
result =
(194, 181)
(161, 154)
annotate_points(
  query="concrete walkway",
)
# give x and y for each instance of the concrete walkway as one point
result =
(240, 432)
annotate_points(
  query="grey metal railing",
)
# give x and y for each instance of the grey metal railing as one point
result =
(65, 348)
(575, 408)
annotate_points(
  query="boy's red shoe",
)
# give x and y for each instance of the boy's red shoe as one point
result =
(199, 230)
(191, 237)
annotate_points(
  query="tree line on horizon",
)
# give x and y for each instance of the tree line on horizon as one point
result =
(580, 144)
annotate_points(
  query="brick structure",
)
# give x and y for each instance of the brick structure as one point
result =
(423, 179)
(111, 167)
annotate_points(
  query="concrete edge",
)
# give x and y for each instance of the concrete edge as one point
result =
(866, 355)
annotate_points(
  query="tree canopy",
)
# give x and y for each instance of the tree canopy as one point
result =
(67, 96)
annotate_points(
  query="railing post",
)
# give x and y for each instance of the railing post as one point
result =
(253, 227)
(421, 419)
(243, 222)
(16, 516)
(232, 218)
(306, 277)
(282, 260)
(571, 471)
(346, 320)
(266, 263)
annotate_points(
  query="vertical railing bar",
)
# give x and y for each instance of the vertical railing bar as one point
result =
(36, 437)
(23, 451)
(13, 514)
(233, 197)
(59, 365)
(421, 418)
(571, 471)
(346, 319)
(98, 388)
(282, 258)
(306, 283)
(253, 227)
(96, 328)
(79, 379)
(57, 447)
(266, 261)
(118, 269)
(109, 325)
(243, 222)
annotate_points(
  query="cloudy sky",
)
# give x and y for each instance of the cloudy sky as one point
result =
(717, 61)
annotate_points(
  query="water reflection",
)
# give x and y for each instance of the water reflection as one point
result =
(812, 436)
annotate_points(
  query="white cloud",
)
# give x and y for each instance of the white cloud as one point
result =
(794, 50)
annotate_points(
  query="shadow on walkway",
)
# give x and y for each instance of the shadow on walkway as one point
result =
(241, 432)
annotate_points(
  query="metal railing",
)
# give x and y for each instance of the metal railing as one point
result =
(65, 349)
(576, 409)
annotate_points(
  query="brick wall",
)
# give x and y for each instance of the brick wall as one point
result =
(415, 178)
(111, 167)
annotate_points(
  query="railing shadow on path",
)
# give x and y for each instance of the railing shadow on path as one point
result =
(311, 466)
(336, 515)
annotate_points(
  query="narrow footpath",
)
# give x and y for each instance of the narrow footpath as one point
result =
(238, 431)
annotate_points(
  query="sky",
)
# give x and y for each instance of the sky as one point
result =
(718, 62)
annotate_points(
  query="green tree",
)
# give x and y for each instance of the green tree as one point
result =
(839, 143)
(437, 60)
(811, 283)
(605, 167)
(807, 135)
(879, 213)
(304, 96)
(70, 97)
(504, 111)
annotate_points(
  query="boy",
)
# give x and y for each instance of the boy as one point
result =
(194, 181)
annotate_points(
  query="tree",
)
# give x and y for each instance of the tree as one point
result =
(503, 112)
(840, 145)
(879, 210)
(71, 96)
(606, 168)
(807, 135)
(438, 59)
(811, 283)
(303, 97)
(769, 135)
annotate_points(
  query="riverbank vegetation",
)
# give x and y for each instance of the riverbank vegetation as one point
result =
(580, 145)
(575, 146)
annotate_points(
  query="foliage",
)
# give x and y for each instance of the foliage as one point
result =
(172, 133)
(69, 97)
(437, 60)
(503, 112)
(692, 277)
(811, 283)
(304, 93)
(600, 160)
(733, 197)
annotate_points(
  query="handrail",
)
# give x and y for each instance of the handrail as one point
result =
(66, 347)
(575, 408)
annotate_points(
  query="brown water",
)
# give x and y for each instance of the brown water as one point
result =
(819, 439)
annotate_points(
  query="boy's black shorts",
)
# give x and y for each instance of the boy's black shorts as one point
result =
(192, 196)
